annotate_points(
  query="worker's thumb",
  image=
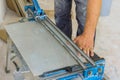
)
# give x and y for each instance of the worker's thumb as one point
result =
(75, 40)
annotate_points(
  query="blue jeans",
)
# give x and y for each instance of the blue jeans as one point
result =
(63, 15)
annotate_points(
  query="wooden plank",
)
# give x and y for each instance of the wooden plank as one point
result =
(3, 35)
(16, 7)
(29, 1)
(10, 5)
(21, 4)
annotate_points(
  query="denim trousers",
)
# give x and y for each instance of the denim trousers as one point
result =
(63, 15)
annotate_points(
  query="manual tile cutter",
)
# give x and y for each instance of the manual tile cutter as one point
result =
(46, 52)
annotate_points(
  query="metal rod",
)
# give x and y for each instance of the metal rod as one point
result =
(68, 48)
(75, 46)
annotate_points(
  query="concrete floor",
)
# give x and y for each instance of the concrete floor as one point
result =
(108, 41)
(107, 44)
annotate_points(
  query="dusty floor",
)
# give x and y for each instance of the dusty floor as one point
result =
(108, 41)
(107, 44)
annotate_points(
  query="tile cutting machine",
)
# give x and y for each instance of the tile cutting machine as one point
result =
(46, 52)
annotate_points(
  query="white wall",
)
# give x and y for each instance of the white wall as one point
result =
(2, 9)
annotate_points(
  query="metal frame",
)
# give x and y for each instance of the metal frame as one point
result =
(9, 45)
(21, 71)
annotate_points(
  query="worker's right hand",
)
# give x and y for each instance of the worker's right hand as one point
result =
(85, 42)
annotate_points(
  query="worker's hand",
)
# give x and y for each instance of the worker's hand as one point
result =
(86, 43)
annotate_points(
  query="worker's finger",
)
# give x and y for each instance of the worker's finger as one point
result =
(91, 52)
(80, 47)
(85, 52)
(75, 40)
(88, 51)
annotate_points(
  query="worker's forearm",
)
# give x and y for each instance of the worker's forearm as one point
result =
(93, 12)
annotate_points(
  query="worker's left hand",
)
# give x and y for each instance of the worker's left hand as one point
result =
(86, 43)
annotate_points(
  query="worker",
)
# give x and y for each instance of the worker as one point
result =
(87, 14)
